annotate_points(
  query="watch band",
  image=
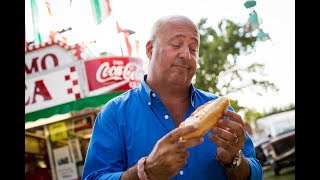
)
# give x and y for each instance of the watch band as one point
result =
(141, 172)
(234, 163)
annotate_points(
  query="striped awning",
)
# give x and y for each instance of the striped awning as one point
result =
(80, 104)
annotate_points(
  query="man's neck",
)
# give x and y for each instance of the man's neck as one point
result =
(175, 97)
(170, 93)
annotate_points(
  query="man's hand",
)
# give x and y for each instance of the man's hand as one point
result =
(170, 154)
(230, 136)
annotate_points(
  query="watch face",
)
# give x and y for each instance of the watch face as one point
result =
(238, 158)
(235, 163)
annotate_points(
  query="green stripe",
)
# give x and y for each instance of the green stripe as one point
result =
(80, 104)
(96, 11)
(35, 20)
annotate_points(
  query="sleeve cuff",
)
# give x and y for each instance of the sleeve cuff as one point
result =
(256, 172)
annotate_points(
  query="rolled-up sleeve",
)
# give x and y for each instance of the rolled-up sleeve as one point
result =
(104, 158)
(256, 172)
(255, 169)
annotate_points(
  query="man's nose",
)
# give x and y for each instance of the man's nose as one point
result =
(185, 53)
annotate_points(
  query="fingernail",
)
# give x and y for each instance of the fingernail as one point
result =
(220, 121)
(196, 126)
(201, 139)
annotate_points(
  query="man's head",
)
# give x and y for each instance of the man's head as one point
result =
(173, 50)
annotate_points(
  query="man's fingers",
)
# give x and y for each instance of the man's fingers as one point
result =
(223, 134)
(185, 144)
(175, 134)
(230, 126)
(234, 116)
(181, 145)
(183, 155)
(193, 142)
(220, 142)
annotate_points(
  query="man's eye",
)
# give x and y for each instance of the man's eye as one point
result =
(175, 46)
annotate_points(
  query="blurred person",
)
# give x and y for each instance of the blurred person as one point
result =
(136, 135)
(248, 128)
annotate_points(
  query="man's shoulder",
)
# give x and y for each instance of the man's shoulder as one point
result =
(118, 104)
(125, 97)
(205, 94)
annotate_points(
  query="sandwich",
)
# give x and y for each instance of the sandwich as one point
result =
(205, 116)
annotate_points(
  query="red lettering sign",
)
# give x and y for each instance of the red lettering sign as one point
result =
(39, 90)
(44, 62)
(122, 73)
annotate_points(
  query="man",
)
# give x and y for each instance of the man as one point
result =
(136, 135)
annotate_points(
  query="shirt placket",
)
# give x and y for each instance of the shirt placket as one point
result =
(161, 112)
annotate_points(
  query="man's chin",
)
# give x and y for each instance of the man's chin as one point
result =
(179, 80)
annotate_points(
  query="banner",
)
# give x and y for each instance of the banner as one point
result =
(53, 88)
(50, 55)
(58, 80)
(111, 74)
(101, 10)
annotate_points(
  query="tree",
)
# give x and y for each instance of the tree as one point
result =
(219, 71)
(252, 115)
(275, 110)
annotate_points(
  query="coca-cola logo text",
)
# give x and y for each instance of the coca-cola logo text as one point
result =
(118, 72)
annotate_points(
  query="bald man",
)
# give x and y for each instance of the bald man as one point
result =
(136, 135)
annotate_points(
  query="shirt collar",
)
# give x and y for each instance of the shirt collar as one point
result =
(146, 92)
(145, 89)
(192, 98)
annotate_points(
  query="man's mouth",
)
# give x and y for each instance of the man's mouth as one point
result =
(182, 66)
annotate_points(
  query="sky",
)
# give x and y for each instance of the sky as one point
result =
(277, 18)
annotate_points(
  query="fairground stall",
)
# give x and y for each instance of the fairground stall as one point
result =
(65, 87)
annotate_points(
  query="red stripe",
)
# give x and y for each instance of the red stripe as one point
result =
(126, 37)
(109, 7)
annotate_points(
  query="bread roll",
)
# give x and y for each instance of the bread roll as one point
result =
(206, 116)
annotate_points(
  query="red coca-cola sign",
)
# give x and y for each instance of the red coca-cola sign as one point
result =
(110, 74)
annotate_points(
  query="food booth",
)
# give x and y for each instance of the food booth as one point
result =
(65, 87)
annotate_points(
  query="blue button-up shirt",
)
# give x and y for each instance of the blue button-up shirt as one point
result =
(128, 127)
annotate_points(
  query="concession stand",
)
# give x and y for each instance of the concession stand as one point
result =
(65, 87)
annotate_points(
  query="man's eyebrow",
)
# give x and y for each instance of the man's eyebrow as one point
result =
(183, 36)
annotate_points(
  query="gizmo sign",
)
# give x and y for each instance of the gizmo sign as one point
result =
(51, 75)
(56, 74)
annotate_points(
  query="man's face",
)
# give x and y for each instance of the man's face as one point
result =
(175, 53)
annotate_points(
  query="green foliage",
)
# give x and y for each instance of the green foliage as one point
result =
(275, 110)
(219, 71)
(235, 105)
(251, 115)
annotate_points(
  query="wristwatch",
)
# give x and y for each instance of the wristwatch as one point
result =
(234, 163)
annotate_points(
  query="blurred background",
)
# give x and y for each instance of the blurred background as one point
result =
(80, 54)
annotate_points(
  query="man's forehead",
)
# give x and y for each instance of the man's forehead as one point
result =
(183, 36)
(180, 30)
(181, 25)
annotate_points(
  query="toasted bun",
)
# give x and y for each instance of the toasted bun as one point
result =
(206, 116)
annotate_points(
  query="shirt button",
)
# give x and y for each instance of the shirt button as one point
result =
(153, 95)
(149, 103)
(181, 172)
(166, 116)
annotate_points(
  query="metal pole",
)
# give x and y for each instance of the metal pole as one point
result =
(52, 165)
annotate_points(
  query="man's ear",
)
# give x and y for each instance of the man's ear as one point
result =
(149, 47)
